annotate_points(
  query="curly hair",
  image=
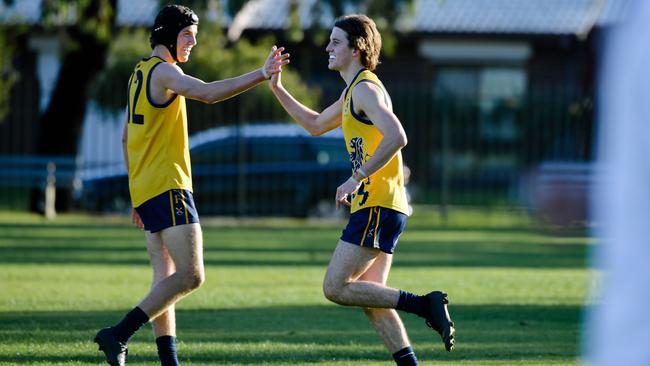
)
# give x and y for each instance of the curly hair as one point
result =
(362, 35)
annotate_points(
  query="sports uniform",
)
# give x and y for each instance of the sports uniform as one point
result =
(360, 264)
(379, 207)
(160, 176)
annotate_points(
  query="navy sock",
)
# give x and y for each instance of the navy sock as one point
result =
(132, 321)
(412, 303)
(405, 357)
(167, 351)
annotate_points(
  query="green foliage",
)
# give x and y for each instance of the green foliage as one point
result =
(384, 13)
(85, 18)
(126, 50)
(8, 75)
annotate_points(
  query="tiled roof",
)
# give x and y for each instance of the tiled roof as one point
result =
(29, 12)
(430, 16)
(508, 16)
(129, 12)
(501, 16)
(454, 16)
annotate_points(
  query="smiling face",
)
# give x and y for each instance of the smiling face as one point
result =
(185, 41)
(339, 51)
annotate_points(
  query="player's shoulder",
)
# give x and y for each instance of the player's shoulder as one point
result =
(168, 69)
(166, 74)
(367, 89)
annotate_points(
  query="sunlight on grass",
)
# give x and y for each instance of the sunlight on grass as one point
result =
(517, 294)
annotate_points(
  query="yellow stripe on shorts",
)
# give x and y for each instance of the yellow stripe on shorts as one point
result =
(365, 231)
(171, 203)
(375, 243)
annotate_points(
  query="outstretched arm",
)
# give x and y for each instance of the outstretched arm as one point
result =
(315, 123)
(171, 77)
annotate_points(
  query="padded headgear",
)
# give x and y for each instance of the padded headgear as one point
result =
(169, 22)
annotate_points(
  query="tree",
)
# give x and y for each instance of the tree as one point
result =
(7, 75)
(384, 13)
(86, 44)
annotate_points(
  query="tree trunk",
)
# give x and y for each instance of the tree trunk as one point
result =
(60, 125)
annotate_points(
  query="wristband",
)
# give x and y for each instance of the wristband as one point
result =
(353, 179)
(362, 173)
(265, 74)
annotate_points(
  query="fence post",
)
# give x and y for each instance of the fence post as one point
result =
(50, 191)
(241, 161)
(444, 173)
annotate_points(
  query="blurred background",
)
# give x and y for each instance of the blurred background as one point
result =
(496, 97)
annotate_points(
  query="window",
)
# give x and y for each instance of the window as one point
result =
(496, 93)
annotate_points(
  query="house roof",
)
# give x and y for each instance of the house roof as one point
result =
(265, 14)
(129, 12)
(429, 16)
(506, 16)
(452, 16)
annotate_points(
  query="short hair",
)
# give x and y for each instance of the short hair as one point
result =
(363, 35)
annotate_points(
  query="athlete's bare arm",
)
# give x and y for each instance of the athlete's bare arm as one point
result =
(315, 123)
(125, 140)
(135, 218)
(369, 100)
(169, 78)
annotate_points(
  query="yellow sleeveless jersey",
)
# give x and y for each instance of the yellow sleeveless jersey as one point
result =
(159, 157)
(385, 187)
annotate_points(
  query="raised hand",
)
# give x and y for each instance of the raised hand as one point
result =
(275, 61)
(276, 80)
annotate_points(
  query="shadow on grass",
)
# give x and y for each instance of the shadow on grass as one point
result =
(306, 334)
(280, 226)
(283, 249)
(408, 254)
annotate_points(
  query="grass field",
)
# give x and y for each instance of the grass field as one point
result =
(517, 294)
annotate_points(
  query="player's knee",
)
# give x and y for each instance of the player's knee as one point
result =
(198, 279)
(332, 291)
(193, 280)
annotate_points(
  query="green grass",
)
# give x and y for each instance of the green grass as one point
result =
(517, 294)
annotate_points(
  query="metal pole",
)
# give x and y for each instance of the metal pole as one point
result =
(50, 191)
(444, 173)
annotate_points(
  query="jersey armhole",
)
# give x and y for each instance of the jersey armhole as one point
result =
(157, 105)
(363, 119)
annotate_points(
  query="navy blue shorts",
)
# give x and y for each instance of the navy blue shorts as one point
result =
(174, 207)
(375, 227)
